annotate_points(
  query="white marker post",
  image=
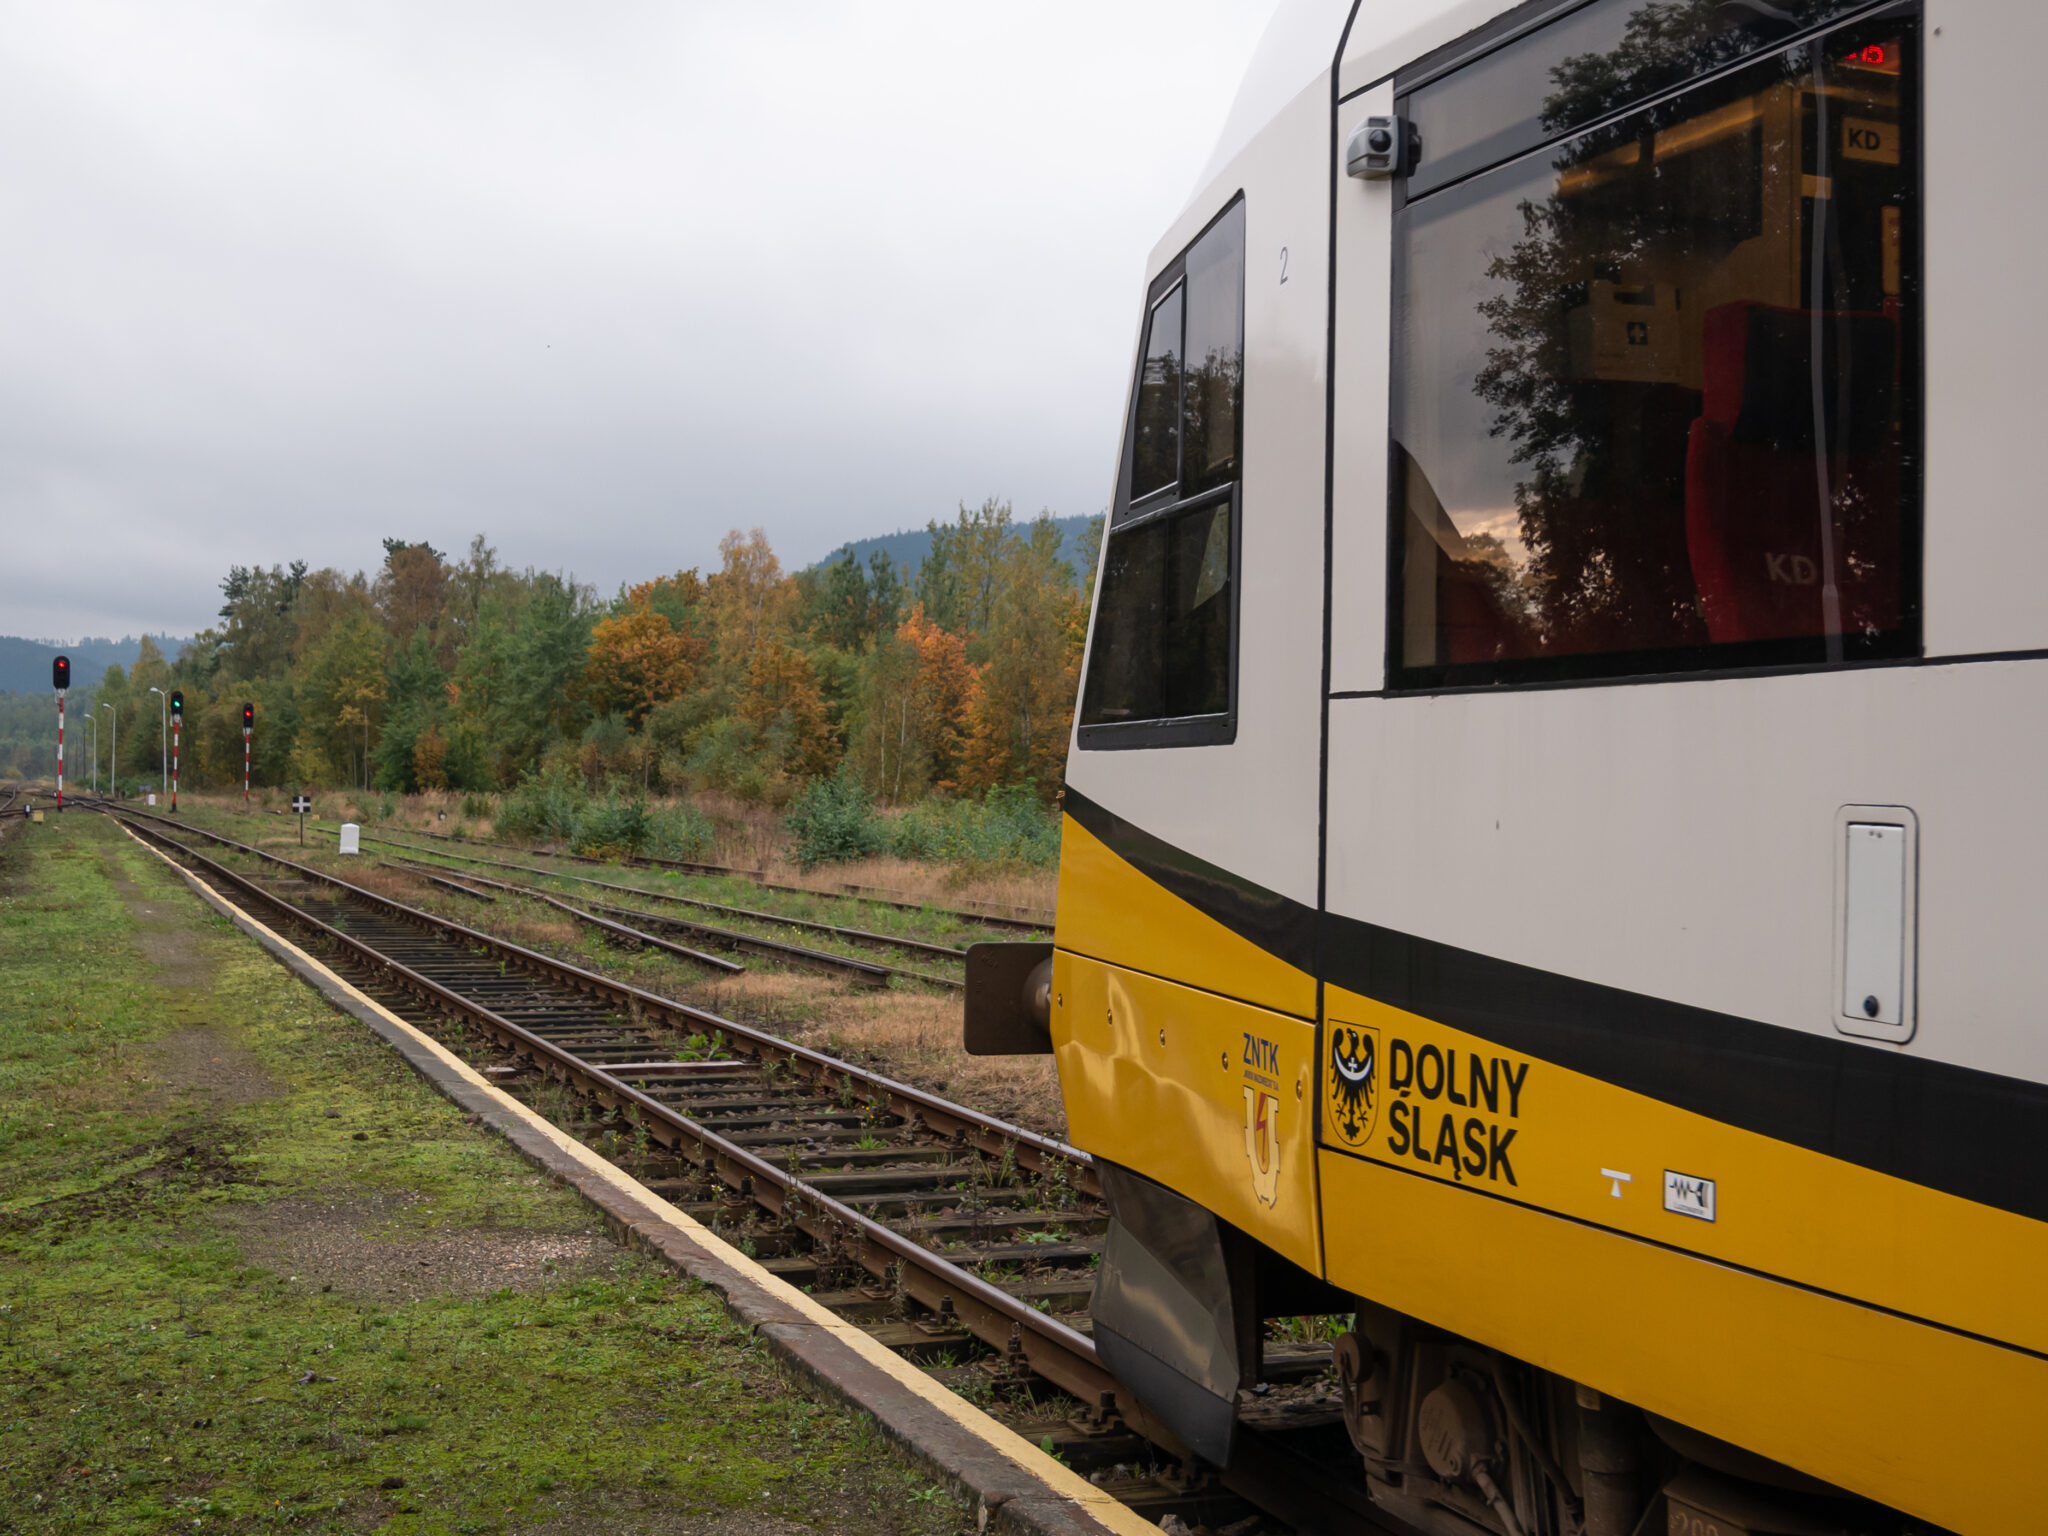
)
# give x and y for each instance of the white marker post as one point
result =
(302, 804)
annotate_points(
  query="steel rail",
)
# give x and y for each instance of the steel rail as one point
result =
(1267, 1471)
(458, 888)
(863, 936)
(1027, 915)
(601, 923)
(756, 877)
(622, 931)
(869, 972)
(745, 942)
(1053, 1350)
(1031, 1149)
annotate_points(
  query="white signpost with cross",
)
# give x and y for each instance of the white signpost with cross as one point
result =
(302, 803)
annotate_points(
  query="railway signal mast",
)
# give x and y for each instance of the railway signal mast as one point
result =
(60, 679)
(248, 725)
(177, 726)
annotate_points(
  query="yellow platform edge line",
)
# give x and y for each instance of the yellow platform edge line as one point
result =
(1061, 1481)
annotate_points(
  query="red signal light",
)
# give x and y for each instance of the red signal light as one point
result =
(60, 672)
(248, 716)
(1882, 56)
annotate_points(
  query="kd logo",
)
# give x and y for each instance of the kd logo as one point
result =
(1791, 570)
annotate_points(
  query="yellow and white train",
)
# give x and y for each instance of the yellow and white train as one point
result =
(1547, 852)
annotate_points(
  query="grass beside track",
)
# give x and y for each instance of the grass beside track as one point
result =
(906, 1030)
(255, 1275)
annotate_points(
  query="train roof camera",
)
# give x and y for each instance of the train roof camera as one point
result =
(1381, 147)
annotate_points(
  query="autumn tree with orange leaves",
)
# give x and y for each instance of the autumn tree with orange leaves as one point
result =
(917, 687)
(1020, 707)
(639, 658)
(783, 705)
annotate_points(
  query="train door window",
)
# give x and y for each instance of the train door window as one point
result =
(1656, 378)
(1162, 667)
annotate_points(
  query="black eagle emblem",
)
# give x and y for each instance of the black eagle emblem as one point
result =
(1354, 1065)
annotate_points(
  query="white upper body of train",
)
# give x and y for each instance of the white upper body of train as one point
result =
(1551, 850)
(1584, 713)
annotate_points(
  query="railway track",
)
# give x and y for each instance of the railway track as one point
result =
(1004, 922)
(861, 936)
(616, 920)
(965, 1243)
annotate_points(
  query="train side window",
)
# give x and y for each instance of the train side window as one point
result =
(1156, 457)
(1162, 667)
(1656, 384)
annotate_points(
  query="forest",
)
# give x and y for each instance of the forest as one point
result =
(461, 673)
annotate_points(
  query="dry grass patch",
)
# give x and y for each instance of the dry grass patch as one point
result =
(535, 934)
(398, 884)
(916, 1038)
(777, 996)
(940, 885)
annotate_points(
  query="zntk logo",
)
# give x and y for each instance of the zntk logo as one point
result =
(1262, 1142)
(1354, 1081)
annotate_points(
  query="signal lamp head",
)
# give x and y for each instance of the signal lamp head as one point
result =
(177, 702)
(60, 672)
(248, 716)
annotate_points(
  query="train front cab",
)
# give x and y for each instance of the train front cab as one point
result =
(1583, 924)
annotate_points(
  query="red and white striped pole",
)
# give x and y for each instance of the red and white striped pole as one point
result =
(60, 679)
(177, 730)
(248, 725)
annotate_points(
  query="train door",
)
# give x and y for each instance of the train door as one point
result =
(1630, 669)
(1183, 995)
(1187, 997)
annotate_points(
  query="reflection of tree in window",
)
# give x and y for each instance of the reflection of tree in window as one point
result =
(1156, 457)
(1599, 333)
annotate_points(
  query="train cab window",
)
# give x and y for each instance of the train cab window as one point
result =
(1656, 381)
(1162, 667)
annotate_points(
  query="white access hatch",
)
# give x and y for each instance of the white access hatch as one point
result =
(1875, 921)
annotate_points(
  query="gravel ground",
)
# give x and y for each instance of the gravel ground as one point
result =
(341, 1245)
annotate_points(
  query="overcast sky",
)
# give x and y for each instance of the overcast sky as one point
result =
(600, 282)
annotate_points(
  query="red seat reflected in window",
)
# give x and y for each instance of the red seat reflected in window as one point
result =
(1783, 521)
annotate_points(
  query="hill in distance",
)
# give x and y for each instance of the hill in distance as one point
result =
(25, 664)
(907, 549)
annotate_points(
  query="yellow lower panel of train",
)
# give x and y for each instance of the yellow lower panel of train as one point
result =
(1205, 1095)
(1109, 908)
(1445, 1105)
(1937, 1424)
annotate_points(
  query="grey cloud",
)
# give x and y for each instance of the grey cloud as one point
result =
(600, 282)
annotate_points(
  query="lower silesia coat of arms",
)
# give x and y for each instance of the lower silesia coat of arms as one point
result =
(1352, 1082)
